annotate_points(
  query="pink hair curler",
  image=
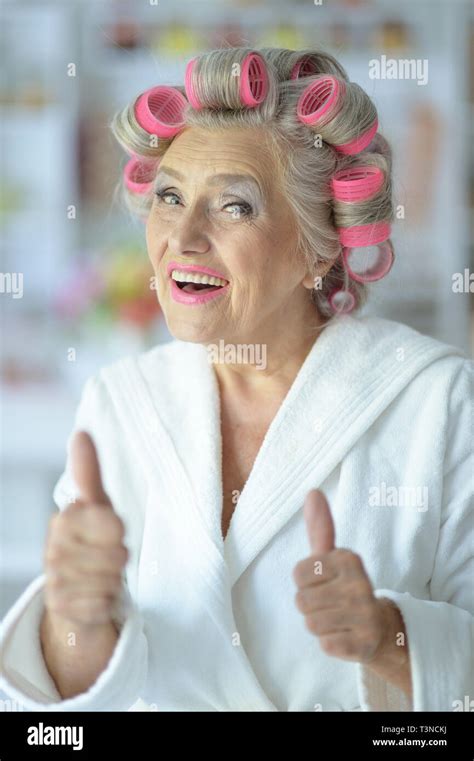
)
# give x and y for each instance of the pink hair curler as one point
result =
(324, 98)
(253, 80)
(357, 183)
(358, 145)
(253, 88)
(341, 301)
(188, 85)
(320, 98)
(160, 111)
(305, 67)
(373, 146)
(138, 175)
(364, 235)
(376, 260)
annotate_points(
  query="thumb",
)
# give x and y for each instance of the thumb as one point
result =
(319, 523)
(86, 470)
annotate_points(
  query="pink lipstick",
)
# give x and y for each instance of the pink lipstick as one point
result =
(195, 293)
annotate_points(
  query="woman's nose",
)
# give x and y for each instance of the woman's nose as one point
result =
(189, 235)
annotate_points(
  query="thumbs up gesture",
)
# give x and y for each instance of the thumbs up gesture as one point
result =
(84, 553)
(335, 594)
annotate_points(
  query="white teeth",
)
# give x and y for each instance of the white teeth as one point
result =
(194, 277)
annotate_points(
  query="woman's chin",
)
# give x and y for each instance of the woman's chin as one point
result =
(193, 331)
(196, 323)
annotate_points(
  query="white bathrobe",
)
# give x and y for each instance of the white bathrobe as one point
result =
(378, 412)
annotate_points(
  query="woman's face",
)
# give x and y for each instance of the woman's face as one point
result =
(220, 212)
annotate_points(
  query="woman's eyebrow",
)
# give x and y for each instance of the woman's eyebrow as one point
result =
(214, 180)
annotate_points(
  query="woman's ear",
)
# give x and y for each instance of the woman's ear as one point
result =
(310, 279)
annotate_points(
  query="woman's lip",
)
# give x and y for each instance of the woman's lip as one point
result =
(194, 268)
(198, 297)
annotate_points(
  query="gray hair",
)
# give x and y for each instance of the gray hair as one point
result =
(306, 168)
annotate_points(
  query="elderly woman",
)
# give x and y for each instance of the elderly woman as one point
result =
(281, 516)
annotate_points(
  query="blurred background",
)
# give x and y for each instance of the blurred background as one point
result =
(84, 299)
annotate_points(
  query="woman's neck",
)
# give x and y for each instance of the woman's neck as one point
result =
(270, 371)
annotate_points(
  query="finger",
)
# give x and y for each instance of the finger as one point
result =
(335, 594)
(91, 525)
(328, 622)
(75, 558)
(66, 585)
(340, 563)
(86, 469)
(311, 599)
(341, 645)
(319, 523)
(315, 570)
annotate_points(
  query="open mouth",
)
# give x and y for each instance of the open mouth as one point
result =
(194, 282)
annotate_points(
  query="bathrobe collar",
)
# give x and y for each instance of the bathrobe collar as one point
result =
(354, 370)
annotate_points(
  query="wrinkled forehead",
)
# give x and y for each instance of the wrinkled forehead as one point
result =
(232, 156)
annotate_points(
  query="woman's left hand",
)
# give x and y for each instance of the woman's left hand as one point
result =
(336, 597)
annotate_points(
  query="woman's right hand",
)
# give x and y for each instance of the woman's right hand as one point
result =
(84, 553)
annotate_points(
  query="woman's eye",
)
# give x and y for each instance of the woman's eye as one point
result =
(236, 209)
(164, 195)
(240, 209)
